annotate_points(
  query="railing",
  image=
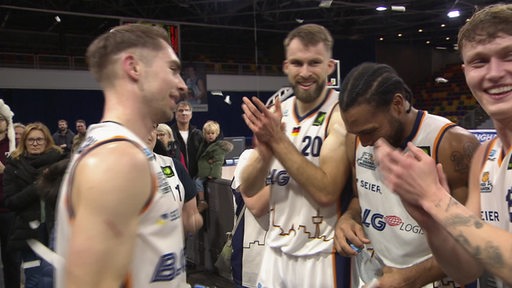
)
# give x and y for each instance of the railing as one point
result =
(62, 62)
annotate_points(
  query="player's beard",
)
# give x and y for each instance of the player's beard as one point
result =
(396, 137)
(308, 96)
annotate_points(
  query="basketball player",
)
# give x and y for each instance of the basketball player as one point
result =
(249, 238)
(375, 102)
(301, 142)
(118, 217)
(469, 240)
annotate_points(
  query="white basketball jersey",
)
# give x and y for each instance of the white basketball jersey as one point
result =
(158, 259)
(298, 225)
(496, 192)
(396, 237)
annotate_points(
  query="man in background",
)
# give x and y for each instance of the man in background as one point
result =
(64, 136)
(81, 131)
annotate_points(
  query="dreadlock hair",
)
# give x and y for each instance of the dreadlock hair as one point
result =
(374, 84)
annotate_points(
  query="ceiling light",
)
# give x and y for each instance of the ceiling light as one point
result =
(454, 13)
(443, 25)
(420, 30)
(299, 20)
(427, 42)
(441, 80)
(381, 8)
(398, 8)
(381, 38)
(399, 34)
(57, 18)
(325, 3)
(447, 38)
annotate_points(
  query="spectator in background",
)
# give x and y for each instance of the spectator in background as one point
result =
(19, 129)
(171, 167)
(210, 160)
(189, 137)
(34, 154)
(196, 93)
(10, 258)
(64, 136)
(81, 130)
(164, 134)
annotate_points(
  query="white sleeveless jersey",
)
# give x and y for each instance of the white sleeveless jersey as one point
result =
(396, 237)
(496, 192)
(298, 225)
(158, 259)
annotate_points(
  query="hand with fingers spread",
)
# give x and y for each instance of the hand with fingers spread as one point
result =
(264, 123)
(412, 175)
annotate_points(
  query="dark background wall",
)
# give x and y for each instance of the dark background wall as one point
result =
(413, 64)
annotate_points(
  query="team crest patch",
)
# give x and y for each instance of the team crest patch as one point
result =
(319, 120)
(509, 167)
(366, 161)
(492, 155)
(426, 149)
(168, 172)
(295, 131)
(485, 183)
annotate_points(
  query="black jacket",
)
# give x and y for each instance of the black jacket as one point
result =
(190, 151)
(22, 196)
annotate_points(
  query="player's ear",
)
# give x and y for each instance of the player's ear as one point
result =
(131, 66)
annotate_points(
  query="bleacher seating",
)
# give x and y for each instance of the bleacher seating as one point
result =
(452, 100)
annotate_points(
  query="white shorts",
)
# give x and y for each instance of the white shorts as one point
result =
(282, 270)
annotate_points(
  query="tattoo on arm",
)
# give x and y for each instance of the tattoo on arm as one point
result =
(462, 159)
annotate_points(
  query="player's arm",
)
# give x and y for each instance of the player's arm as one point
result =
(258, 203)
(192, 219)
(455, 152)
(109, 192)
(325, 182)
(348, 227)
(424, 192)
(252, 177)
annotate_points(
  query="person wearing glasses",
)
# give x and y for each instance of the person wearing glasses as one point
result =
(36, 152)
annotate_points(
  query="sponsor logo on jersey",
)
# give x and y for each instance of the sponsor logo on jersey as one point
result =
(426, 149)
(278, 177)
(379, 222)
(485, 183)
(492, 155)
(167, 170)
(372, 187)
(490, 216)
(366, 161)
(295, 131)
(163, 185)
(320, 118)
(169, 216)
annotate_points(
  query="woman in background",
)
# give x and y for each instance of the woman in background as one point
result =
(35, 152)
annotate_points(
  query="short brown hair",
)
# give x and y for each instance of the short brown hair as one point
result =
(310, 35)
(485, 25)
(102, 51)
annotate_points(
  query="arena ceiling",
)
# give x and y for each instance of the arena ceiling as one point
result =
(231, 26)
